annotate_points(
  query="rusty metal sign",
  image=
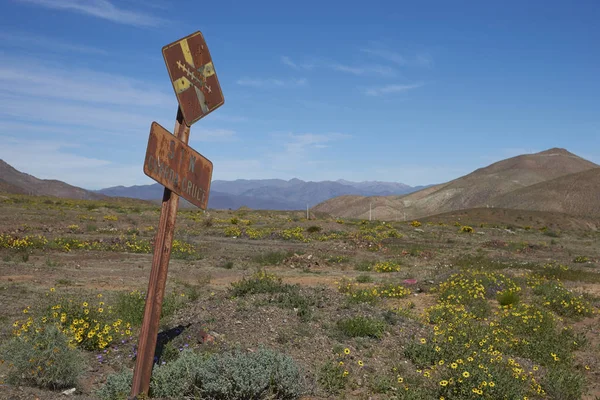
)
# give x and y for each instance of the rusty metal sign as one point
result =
(178, 167)
(193, 77)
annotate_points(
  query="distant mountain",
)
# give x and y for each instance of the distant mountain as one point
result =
(13, 181)
(477, 189)
(271, 194)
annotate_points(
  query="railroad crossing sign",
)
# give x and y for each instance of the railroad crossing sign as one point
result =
(193, 76)
(177, 166)
(182, 171)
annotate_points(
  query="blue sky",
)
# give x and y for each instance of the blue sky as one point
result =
(414, 92)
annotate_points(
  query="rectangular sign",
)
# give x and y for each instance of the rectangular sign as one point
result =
(193, 77)
(177, 166)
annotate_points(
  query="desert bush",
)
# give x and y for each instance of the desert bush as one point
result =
(272, 257)
(332, 377)
(466, 229)
(129, 306)
(581, 259)
(364, 266)
(559, 299)
(226, 265)
(314, 229)
(89, 324)
(564, 383)
(415, 223)
(232, 231)
(234, 375)
(42, 357)
(361, 327)
(260, 282)
(234, 221)
(508, 298)
(364, 278)
(117, 386)
(387, 266)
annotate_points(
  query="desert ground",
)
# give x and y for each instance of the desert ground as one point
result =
(485, 304)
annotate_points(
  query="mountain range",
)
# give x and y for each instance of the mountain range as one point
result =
(551, 180)
(270, 194)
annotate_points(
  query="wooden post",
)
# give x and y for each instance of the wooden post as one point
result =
(158, 279)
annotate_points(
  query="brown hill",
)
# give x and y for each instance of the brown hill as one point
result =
(13, 181)
(476, 189)
(576, 194)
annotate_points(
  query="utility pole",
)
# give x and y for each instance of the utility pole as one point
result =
(307, 211)
(370, 211)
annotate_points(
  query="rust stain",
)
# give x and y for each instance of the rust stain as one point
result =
(193, 77)
(178, 167)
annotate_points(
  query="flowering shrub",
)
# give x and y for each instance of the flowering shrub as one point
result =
(415, 223)
(110, 218)
(232, 231)
(466, 229)
(386, 266)
(296, 233)
(90, 325)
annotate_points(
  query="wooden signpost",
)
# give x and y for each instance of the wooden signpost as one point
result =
(182, 171)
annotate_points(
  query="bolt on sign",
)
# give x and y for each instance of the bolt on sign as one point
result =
(183, 172)
(177, 166)
(193, 76)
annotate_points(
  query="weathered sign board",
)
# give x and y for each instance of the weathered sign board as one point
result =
(193, 77)
(183, 172)
(178, 167)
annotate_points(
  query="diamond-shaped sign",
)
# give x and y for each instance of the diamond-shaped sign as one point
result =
(193, 76)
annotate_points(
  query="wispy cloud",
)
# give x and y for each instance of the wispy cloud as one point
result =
(51, 159)
(23, 76)
(380, 70)
(378, 50)
(21, 39)
(386, 55)
(387, 89)
(271, 82)
(101, 9)
(288, 61)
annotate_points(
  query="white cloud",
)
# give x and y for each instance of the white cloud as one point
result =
(365, 70)
(101, 9)
(271, 82)
(380, 51)
(21, 40)
(288, 61)
(387, 55)
(381, 90)
(57, 160)
(32, 78)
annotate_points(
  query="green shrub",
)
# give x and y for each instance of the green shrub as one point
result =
(43, 359)
(259, 282)
(332, 377)
(507, 298)
(234, 375)
(364, 278)
(314, 229)
(130, 305)
(226, 265)
(271, 258)
(581, 259)
(564, 383)
(364, 266)
(361, 327)
(117, 386)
